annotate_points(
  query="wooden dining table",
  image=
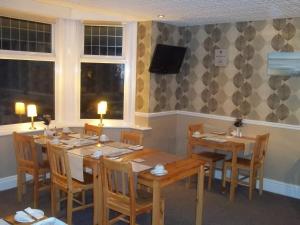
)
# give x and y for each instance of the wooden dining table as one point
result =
(230, 144)
(178, 168)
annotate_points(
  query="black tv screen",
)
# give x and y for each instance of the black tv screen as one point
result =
(167, 59)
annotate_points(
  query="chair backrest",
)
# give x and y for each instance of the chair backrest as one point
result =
(195, 127)
(260, 148)
(118, 183)
(59, 166)
(25, 150)
(131, 138)
(92, 129)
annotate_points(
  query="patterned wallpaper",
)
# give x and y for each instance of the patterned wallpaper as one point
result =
(242, 88)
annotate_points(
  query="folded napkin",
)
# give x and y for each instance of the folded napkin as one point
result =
(50, 221)
(36, 213)
(136, 147)
(97, 154)
(22, 217)
(76, 166)
(221, 140)
(139, 167)
(3, 222)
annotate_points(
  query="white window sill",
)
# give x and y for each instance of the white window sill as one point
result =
(24, 127)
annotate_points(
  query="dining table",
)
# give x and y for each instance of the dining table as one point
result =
(143, 160)
(227, 143)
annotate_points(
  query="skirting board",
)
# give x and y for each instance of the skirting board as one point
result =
(274, 186)
(277, 187)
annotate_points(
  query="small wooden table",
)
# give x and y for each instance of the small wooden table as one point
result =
(10, 219)
(230, 145)
(177, 170)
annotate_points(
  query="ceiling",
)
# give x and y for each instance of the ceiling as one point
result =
(184, 12)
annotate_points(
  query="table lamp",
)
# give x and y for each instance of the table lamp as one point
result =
(102, 107)
(20, 108)
(31, 112)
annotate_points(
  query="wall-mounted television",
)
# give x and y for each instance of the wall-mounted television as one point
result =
(167, 59)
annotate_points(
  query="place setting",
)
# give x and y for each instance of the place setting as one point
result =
(159, 170)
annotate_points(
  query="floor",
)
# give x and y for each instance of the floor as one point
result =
(268, 209)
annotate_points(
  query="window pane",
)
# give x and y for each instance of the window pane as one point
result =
(14, 31)
(102, 81)
(28, 82)
(108, 37)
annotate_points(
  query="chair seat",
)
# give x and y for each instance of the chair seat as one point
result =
(44, 166)
(144, 198)
(241, 163)
(209, 156)
(143, 202)
(87, 184)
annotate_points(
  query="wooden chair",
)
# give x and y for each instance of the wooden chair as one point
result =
(210, 158)
(28, 163)
(61, 180)
(92, 129)
(255, 166)
(120, 194)
(131, 138)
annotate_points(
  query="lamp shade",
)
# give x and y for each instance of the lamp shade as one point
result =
(19, 108)
(31, 110)
(102, 107)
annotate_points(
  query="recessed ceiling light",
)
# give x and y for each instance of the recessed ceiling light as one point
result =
(161, 16)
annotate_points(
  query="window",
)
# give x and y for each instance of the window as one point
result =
(28, 82)
(102, 81)
(25, 77)
(22, 35)
(103, 40)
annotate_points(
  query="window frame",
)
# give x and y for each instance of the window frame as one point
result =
(104, 56)
(33, 56)
(129, 75)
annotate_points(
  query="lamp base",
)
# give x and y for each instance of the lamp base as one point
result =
(32, 124)
(101, 124)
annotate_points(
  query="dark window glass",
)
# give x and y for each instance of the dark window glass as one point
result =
(102, 81)
(119, 31)
(108, 37)
(15, 31)
(28, 82)
(103, 50)
(119, 41)
(95, 40)
(111, 41)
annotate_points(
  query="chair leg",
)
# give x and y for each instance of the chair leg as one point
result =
(53, 200)
(251, 183)
(224, 176)
(83, 197)
(69, 208)
(261, 180)
(35, 190)
(162, 212)
(132, 219)
(106, 220)
(20, 182)
(211, 175)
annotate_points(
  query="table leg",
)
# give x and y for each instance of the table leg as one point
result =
(189, 153)
(200, 196)
(96, 195)
(156, 204)
(233, 175)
